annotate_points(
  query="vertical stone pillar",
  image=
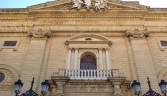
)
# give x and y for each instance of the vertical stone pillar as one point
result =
(131, 60)
(53, 91)
(69, 58)
(108, 59)
(100, 59)
(60, 88)
(76, 58)
(34, 56)
(144, 64)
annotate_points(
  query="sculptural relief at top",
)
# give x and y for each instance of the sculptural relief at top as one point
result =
(97, 5)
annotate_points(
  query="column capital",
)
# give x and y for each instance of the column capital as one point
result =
(76, 48)
(40, 33)
(69, 48)
(106, 48)
(137, 33)
(99, 48)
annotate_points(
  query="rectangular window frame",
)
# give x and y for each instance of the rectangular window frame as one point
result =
(162, 48)
(9, 47)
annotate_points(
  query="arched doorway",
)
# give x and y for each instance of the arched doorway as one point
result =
(88, 62)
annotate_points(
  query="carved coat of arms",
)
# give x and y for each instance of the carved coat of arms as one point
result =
(97, 5)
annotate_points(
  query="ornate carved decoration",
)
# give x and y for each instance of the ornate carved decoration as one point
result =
(97, 5)
(137, 33)
(40, 33)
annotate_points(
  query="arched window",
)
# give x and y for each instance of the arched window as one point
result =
(88, 62)
(2, 77)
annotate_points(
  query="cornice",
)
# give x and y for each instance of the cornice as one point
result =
(16, 18)
(36, 16)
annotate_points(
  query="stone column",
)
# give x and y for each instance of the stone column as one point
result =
(33, 60)
(108, 59)
(100, 59)
(143, 60)
(76, 58)
(69, 59)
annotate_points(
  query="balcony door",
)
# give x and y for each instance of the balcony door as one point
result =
(88, 62)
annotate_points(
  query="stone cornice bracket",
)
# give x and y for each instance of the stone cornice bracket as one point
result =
(137, 33)
(117, 81)
(40, 33)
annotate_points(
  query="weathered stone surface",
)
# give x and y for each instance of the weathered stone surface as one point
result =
(102, 35)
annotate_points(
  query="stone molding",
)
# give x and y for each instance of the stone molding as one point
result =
(12, 70)
(10, 76)
(162, 48)
(137, 33)
(101, 39)
(162, 73)
(80, 16)
(14, 48)
(40, 33)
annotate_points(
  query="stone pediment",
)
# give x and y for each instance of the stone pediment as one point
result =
(67, 4)
(88, 39)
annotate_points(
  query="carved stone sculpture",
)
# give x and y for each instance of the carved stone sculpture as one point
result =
(40, 33)
(77, 4)
(94, 4)
(137, 33)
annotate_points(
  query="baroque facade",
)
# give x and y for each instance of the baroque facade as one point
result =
(83, 47)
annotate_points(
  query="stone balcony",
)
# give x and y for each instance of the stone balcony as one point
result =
(74, 80)
(88, 74)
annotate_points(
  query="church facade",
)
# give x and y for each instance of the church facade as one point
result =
(83, 47)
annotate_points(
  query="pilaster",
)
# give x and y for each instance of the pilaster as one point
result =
(143, 60)
(33, 61)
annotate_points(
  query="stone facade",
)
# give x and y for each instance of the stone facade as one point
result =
(127, 40)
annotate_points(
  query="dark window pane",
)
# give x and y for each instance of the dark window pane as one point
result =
(164, 43)
(10, 43)
(2, 77)
(88, 62)
(88, 39)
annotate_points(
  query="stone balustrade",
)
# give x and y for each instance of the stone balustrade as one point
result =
(88, 74)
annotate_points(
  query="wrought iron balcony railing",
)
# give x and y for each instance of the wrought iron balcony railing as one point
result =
(88, 74)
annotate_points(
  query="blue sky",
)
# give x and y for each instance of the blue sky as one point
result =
(25, 3)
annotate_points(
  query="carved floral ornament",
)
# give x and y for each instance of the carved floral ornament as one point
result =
(40, 33)
(96, 5)
(137, 33)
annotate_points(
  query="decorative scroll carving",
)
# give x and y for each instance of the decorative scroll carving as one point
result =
(97, 5)
(137, 33)
(60, 88)
(117, 89)
(40, 33)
